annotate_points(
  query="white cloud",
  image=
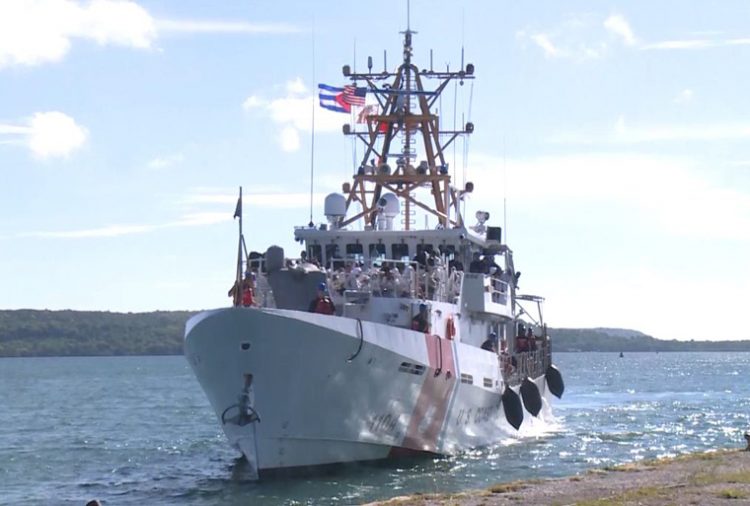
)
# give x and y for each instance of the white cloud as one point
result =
(54, 134)
(624, 134)
(252, 102)
(47, 134)
(265, 197)
(618, 25)
(583, 38)
(680, 44)
(187, 220)
(578, 38)
(293, 113)
(670, 191)
(648, 299)
(542, 40)
(163, 162)
(684, 96)
(106, 231)
(696, 43)
(289, 139)
(33, 32)
(203, 26)
(296, 86)
(221, 201)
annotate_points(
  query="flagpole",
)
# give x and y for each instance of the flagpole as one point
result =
(312, 129)
(238, 273)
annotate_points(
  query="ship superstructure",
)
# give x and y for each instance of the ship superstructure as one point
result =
(430, 348)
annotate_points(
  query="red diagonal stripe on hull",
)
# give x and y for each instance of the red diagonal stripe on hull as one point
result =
(431, 407)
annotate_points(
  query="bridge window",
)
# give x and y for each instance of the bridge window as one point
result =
(400, 251)
(425, 248)
(332, 251)
(377, 251)
(448, 250)
(314, 251)
(353, 250)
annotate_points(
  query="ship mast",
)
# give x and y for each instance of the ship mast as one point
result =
(405, 114)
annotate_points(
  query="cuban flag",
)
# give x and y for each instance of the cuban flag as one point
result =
(332, 98)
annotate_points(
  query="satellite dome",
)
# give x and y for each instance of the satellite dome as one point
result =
(335, 209)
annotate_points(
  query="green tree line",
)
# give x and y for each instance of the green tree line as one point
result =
(28, 333)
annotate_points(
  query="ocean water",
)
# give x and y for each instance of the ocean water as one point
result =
(138, 430)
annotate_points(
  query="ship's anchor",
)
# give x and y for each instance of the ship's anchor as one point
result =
(246, 414)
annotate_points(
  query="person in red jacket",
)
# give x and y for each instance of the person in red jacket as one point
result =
(322, 303)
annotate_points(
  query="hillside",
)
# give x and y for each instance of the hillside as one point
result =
(617, 340)
(26, 332)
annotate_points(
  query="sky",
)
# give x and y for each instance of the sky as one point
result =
(617, 134)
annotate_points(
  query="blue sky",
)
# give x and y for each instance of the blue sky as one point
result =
(617, 131)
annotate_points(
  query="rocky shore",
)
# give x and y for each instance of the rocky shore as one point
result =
(713, 478)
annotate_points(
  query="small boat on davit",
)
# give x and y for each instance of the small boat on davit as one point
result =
(383, 339)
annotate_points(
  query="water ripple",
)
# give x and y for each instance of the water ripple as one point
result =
(134, 430)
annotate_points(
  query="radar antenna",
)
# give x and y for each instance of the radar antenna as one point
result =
(404, 113)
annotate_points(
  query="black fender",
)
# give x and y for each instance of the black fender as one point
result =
(555, 381)
(532, 399)
(512, 407)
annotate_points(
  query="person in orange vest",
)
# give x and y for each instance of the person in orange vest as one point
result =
(322, 303)
(247, 291)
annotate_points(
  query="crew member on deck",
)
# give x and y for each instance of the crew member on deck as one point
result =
(530, 339)
(521, 343)
(490, 344)
(476, 265)
(421, 322)
(322, 303)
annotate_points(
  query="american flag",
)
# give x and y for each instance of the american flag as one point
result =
(354, 95)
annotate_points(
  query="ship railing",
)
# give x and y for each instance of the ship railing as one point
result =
(499, 290)
(393, 278)
(412, 281)
(388, 278)
(531, 364)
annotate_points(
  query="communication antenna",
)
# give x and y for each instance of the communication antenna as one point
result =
(312, 130)
(352, 114)
(505, 193)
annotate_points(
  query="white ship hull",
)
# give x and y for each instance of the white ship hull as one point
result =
(330, 389)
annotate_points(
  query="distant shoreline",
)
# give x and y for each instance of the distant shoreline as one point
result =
(44, 333)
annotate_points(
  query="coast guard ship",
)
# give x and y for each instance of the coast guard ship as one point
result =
(383, 339)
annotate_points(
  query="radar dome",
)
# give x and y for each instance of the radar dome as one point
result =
(335, 209)
(389, 204)
(335, 205)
